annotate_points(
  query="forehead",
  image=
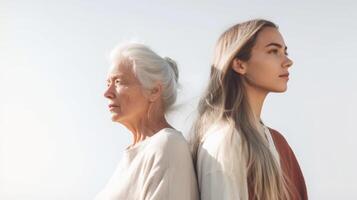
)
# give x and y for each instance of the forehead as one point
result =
(121, 70)
(269, 35)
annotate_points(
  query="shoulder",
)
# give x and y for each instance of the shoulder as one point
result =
(168, 138)
(215, 138)
(286, 153)
(168, 143)
(279, 140)
(219, 148)
(220, 166)
(289, 163)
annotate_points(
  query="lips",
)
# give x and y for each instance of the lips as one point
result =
(284, 75)
(111, 106)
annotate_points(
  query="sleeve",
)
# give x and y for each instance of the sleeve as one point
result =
(296, 175)
(221, 170)
(156, 185)
(290, 166)
(216, 185)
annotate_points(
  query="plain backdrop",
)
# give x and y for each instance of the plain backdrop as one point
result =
(57, 141)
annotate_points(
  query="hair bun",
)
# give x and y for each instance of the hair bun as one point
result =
(173, 65)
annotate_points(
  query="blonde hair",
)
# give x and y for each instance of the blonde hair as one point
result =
(225, 100)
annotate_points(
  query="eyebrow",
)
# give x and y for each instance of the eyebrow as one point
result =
(115, 77)
(277, 45)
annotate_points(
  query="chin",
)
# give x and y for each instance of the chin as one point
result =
(281, 90)
(115, 118)
(278, 89)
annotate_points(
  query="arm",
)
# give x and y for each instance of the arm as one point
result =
(217, 182)
(216, 185)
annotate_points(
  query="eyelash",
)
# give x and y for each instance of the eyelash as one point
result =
(115, 82)
(276, 51)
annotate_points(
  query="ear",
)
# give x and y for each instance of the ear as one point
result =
(239, 66)
(155, 92)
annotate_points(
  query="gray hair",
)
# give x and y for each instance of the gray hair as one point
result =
(150, 68)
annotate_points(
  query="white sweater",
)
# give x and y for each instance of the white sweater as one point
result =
(218, 177)
(158, 168)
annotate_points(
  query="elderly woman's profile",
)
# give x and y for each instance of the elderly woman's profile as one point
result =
(141, 87)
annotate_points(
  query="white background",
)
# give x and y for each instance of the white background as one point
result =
(56, 138)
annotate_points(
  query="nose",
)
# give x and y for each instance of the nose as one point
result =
(288, 62)
(109, 92)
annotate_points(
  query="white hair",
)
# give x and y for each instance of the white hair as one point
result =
(150, 68)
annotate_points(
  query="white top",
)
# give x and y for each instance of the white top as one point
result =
(158, 168)
(221, 171)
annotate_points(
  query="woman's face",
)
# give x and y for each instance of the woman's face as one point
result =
(267, 68)
(127, 100)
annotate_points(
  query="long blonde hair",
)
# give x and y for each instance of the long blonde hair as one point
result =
(225, 100)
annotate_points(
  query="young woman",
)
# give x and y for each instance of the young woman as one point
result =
(142, 86)
(237, 156)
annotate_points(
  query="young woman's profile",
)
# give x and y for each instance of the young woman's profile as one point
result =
(237, 156)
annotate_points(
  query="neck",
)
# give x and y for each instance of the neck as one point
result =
(256, 97)
(147, 125)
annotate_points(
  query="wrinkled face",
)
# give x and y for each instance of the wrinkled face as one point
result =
(267, 68)
(127, 100)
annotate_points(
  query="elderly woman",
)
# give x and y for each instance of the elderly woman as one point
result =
(158, 164)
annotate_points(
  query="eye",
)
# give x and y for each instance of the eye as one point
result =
(117, 81)
(273, 51)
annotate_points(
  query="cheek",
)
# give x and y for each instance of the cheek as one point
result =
(132, 100)
(264, 73)
(122, 99)
(261, 71)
